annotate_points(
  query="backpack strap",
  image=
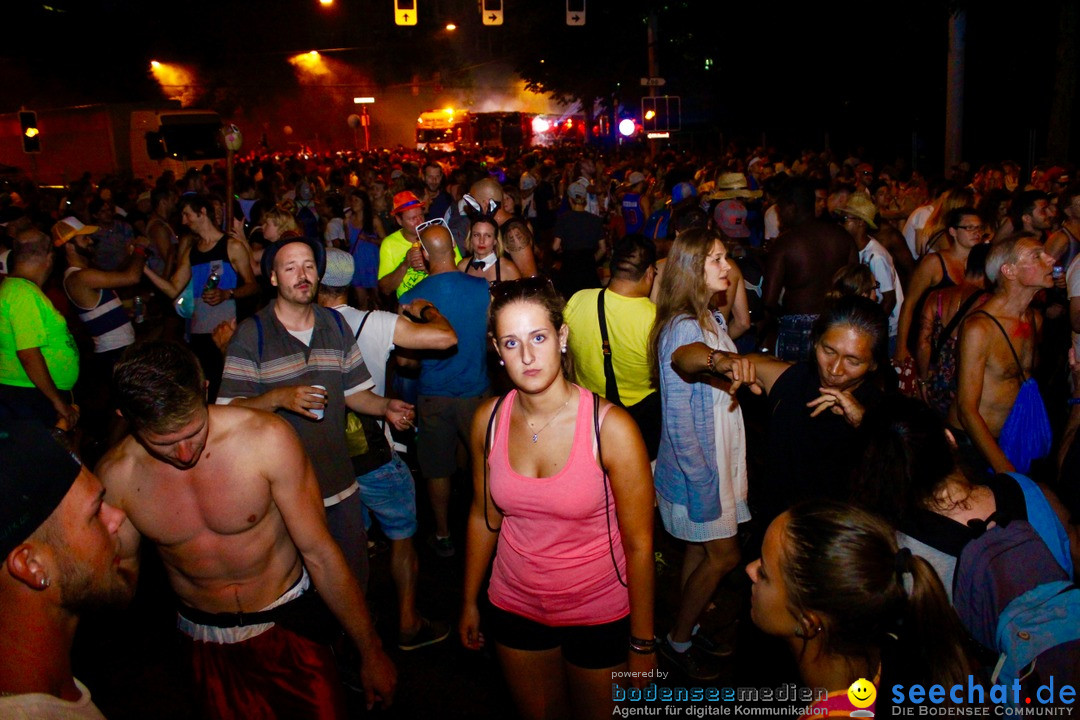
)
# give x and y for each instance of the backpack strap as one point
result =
(611, 387)
(259, 334)
(1008, 341)
(1045, 521)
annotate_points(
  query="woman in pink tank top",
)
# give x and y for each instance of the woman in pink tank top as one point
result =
(571, 586)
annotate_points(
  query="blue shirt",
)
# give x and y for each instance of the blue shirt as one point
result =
(463, 300)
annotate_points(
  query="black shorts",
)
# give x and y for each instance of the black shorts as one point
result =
(592, 647)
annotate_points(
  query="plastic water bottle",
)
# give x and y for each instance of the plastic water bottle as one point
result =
(140, 309)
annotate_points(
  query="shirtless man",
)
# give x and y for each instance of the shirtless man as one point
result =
(518, 245)
(231, 501)
(801, 264)
(988, 377)
(161, 234)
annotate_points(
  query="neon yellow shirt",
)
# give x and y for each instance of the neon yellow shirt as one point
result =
(629, 322)
(28, 319)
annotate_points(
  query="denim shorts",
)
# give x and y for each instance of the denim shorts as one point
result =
(388, 493)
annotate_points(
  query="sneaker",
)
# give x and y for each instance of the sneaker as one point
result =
(430, 632)
(443, 547)
(709, 646)
(688, 662)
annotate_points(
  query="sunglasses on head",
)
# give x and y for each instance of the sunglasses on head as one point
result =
(427, 224)
(522, 287)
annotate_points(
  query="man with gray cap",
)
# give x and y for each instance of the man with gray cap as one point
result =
(61, 550)
(387, 489)
(300, 360)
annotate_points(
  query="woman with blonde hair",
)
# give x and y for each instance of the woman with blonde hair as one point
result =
(700, 470)
(486, 259)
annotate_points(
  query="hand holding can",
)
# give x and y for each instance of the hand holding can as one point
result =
(319, 412)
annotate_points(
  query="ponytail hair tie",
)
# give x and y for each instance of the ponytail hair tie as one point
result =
(902, 567)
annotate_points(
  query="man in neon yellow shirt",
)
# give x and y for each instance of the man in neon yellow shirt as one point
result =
(629, 314)
(39, 361)
(401, 263)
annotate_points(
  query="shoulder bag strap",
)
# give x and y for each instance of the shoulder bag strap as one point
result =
(947, 331)
(603, 470)
(1019, 366)
(487, 453)
(611, 387)
(362, 323)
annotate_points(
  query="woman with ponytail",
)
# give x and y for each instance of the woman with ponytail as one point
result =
(832, 582)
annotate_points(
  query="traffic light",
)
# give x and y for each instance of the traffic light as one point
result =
(405, 12)
(31, 138)
(661, 114)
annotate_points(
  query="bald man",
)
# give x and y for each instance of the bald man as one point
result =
(452, 382)
(518, 245)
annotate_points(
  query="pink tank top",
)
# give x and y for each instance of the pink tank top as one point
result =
(553, 562)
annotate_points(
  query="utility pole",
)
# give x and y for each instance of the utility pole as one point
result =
(954, 102)
(652, 32)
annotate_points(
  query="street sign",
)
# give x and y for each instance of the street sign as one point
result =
(491, 12)
(405, 12)
(575, 12)
(653, 82)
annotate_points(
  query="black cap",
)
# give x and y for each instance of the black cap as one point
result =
(271, 251)
(36, 472)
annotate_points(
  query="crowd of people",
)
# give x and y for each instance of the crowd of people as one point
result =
(848, 379)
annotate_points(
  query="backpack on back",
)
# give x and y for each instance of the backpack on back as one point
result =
(1015, 597)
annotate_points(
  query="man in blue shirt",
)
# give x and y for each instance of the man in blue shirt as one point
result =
(454, 381)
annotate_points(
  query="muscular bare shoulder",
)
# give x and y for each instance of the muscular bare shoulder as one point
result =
(117, 468)
(262, 439)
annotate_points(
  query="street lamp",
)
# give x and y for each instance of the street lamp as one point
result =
(364, 120)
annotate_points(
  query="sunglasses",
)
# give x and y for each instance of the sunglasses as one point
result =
(522, 288)
(429, 223)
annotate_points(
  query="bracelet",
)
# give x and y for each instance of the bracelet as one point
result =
(709, 362)
(642, 651)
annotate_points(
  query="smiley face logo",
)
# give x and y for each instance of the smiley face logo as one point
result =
(862, 693)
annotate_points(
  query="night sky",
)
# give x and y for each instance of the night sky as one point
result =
(870, 75)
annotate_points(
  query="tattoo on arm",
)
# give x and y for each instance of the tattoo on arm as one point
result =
(516, 243)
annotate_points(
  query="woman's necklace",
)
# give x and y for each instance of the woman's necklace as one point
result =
(536, 435)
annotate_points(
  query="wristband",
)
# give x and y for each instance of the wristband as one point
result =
(1074, 401)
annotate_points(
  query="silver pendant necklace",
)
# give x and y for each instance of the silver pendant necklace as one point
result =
(536, 435)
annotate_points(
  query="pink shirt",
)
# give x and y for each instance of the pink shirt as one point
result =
(553, 562)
